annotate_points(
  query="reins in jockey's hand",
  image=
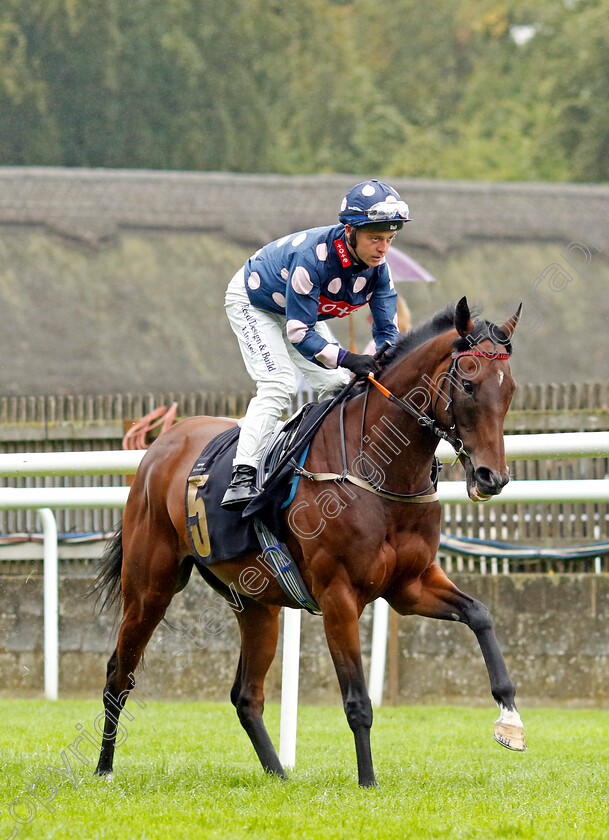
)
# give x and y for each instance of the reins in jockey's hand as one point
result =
(429, 423)
(361, 366)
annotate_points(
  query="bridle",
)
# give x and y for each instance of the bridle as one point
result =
(431, 423)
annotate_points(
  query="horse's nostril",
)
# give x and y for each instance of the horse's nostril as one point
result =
(488, 480)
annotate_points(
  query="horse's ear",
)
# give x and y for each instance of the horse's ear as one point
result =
(510, 325)
(463, 319)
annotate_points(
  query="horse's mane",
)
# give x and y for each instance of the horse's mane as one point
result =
(442, 322)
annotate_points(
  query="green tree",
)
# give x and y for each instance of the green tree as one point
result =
(367, 86)
(572, 54)
(28, 132)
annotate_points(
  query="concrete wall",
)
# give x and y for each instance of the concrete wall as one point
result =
(553, 630)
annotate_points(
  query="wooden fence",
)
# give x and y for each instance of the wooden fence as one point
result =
(67, 423)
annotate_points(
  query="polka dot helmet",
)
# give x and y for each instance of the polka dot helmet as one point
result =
(373, 203)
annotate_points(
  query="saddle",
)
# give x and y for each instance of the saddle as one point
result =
(217, 534)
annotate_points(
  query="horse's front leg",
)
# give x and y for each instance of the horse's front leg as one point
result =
(340, 615)
(435, 596)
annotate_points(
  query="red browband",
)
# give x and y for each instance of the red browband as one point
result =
(482, 354)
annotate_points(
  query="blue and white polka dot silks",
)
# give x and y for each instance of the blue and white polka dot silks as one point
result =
(310, 276)
(361, 199)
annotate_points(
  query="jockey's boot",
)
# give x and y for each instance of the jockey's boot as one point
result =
(241, 489)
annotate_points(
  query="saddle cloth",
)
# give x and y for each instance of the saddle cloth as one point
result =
(217, 534)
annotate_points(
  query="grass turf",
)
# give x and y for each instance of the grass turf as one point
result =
(187, 770)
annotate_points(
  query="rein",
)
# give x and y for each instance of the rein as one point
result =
(413, 498)
(431, 423)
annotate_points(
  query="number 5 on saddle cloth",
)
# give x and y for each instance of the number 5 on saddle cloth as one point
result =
(217, 534)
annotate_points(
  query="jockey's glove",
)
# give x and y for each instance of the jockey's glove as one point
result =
(361, 366)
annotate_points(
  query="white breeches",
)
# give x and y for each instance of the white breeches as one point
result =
(270, 359)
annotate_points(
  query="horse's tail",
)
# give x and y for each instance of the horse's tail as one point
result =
(107, 585)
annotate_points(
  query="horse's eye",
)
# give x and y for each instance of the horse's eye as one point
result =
(468, 387)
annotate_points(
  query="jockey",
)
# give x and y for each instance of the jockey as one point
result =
(278, 304)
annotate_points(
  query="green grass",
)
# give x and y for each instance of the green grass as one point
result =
(187, 770)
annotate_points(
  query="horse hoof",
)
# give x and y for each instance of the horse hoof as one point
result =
(509, 731)
(105, 777)
(511, 737)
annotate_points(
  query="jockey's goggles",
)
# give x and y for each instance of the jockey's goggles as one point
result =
(385, 211)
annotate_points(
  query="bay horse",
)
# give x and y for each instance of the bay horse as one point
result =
(453, 380)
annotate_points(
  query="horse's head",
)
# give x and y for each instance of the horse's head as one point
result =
(458, 386)
(481, 387)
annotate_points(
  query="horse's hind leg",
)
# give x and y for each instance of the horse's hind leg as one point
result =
(440, 598)
(259, 626)
(146, 599)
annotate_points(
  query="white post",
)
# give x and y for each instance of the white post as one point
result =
(51, 604)
(289, 687)
(378, 651)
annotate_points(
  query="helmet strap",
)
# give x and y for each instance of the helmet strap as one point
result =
(352, 242)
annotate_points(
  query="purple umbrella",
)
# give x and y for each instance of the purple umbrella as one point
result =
(405, 269)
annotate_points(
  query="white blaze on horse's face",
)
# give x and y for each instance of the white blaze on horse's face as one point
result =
(500, 377)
